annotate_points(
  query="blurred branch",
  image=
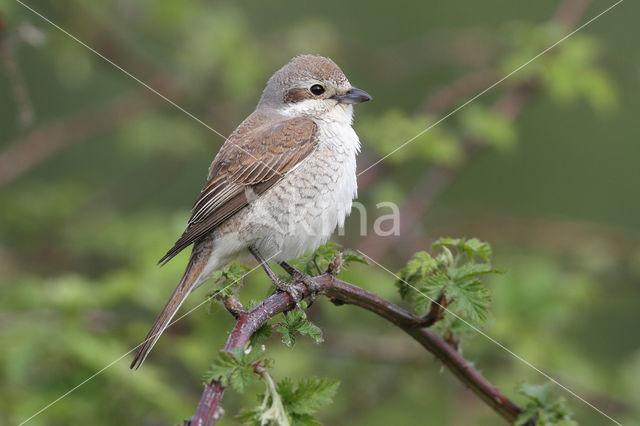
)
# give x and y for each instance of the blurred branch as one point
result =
(470, 47)
(569, 12)
(23, 154)
(339, 293)
(15, 77)
(439, 177)
(446, 98)
(29, 151)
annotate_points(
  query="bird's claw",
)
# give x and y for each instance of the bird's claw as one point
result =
(298, 277)
(291, 289)
(309, 282)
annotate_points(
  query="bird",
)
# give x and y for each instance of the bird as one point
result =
(279, 185)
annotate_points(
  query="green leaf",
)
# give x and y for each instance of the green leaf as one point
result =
(527, 414)
(240, 377)
(470, 299)
(234, 368)
(322, 256)
(227, 280)
(304, 420)
(221, 369)
(454, 273)
(470, 270)
(419, 267)
(262, 333)
(299, 400)
(471, 247)
(570, 73)
(308, 395)
(318, 261)
(296, 322)
(288, 336)
(307, 328)
(598, 89)
(489, 126)
(385, 132)
(249, 417)
(351, 256)
(538, 393)
(547, 413)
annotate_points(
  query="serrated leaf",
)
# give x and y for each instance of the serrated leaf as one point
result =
(307, 328)
(249, 417)
(471, 271)
(471, 247)
(416, 270)
(286, 388)
(304, 420)
(296, 322)
(322, 256)
(241, 377)
(538, 393)
(525, 416)
(454, 273)
(421, 264)
(470, 300)
(233, 367)
(351, 256)
(308, 395)
(262, 333)
(548, 413)
(318, 261)
(227, 280)
(218, 372)
(288, 336)
(299, 401)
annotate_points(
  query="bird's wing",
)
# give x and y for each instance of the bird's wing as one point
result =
(249, 163)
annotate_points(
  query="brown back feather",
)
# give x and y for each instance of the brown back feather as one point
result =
(255, 156)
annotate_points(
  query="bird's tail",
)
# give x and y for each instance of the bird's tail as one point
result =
(188, 283)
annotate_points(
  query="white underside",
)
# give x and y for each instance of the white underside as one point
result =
(302, 211)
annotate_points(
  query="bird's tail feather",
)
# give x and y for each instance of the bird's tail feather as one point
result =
(179, 295)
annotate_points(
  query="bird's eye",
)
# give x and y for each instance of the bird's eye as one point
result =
(317, 89)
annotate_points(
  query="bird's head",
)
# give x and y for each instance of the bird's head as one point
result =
(312, 86)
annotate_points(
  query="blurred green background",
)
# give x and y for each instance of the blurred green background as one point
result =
(97, 176)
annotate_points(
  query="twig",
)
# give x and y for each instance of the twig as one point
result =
(15, 76)
(234, 307)
(346, 293)
(436, 312)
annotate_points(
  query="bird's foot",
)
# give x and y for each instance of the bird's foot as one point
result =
(309, 282)
(300, 277)
(290, 288)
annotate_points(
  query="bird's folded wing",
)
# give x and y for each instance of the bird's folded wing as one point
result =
(249, 163)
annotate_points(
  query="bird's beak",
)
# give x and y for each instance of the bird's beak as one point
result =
(353, 96)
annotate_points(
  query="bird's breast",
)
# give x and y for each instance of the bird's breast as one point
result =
(302, 211)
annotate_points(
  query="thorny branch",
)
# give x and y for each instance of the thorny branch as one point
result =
(339, 293)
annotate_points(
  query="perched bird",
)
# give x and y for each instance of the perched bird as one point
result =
(280, 184)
